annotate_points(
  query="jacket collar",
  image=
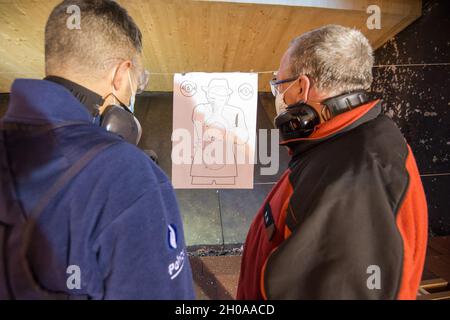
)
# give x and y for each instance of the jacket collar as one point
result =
(43, 102)
(338, 125)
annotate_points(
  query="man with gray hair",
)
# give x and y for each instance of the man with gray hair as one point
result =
(348, 218)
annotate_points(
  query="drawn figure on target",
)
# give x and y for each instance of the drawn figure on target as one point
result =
(221, 127)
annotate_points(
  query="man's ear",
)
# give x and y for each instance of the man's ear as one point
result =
(121, 76)
(303, 88)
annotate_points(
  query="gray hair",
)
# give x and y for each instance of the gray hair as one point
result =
(337, 59)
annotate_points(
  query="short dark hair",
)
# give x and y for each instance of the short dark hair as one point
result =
(106, 32)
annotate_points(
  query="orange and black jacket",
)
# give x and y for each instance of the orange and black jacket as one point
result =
(347, 220)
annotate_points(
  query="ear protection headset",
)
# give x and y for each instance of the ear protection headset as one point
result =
(121, 121)
(300, 119)
(117, 119)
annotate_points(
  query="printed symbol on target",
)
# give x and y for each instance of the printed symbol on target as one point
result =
(188, 88)
(245, 91)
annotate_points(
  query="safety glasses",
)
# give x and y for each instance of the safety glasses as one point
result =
(143, 79)
(274, 83)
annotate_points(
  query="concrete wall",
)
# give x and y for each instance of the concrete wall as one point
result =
(413, 79)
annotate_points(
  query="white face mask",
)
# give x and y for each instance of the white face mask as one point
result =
(280, 104)
(133, 94)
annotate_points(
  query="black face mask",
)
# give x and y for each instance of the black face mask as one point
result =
(115, 118)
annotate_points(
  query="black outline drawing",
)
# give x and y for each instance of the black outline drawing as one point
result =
(217, 114)
(185, 88)
(246, 95)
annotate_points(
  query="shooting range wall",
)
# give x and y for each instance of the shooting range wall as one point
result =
(412, 77)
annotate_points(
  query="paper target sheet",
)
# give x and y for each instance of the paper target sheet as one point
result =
(214, 130)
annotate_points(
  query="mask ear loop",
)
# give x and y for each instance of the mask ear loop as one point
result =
(113, 94)
(131, 83)
(284, 92)
(97, 111)
(112, 85)
(133, 94)
(129, 80)
(280, 95)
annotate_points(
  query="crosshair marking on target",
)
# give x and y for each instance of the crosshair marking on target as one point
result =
(245, 91)
(188, 88)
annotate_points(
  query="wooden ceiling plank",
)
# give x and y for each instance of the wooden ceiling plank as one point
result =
(183, 36)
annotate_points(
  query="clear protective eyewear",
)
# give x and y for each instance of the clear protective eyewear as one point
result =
(142, 83)
(274, 84)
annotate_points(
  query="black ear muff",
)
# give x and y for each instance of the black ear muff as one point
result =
(297, 121)
(345, 102)
(121, 122)
(300, 119)
(152, 155)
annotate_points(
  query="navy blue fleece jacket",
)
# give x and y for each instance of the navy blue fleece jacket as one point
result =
(117, 220)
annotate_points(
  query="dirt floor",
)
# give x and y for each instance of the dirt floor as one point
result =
(216, 270)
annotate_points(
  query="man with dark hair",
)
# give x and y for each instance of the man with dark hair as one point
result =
(83, 212)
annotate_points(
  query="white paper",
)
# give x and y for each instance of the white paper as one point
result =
(216, 112)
